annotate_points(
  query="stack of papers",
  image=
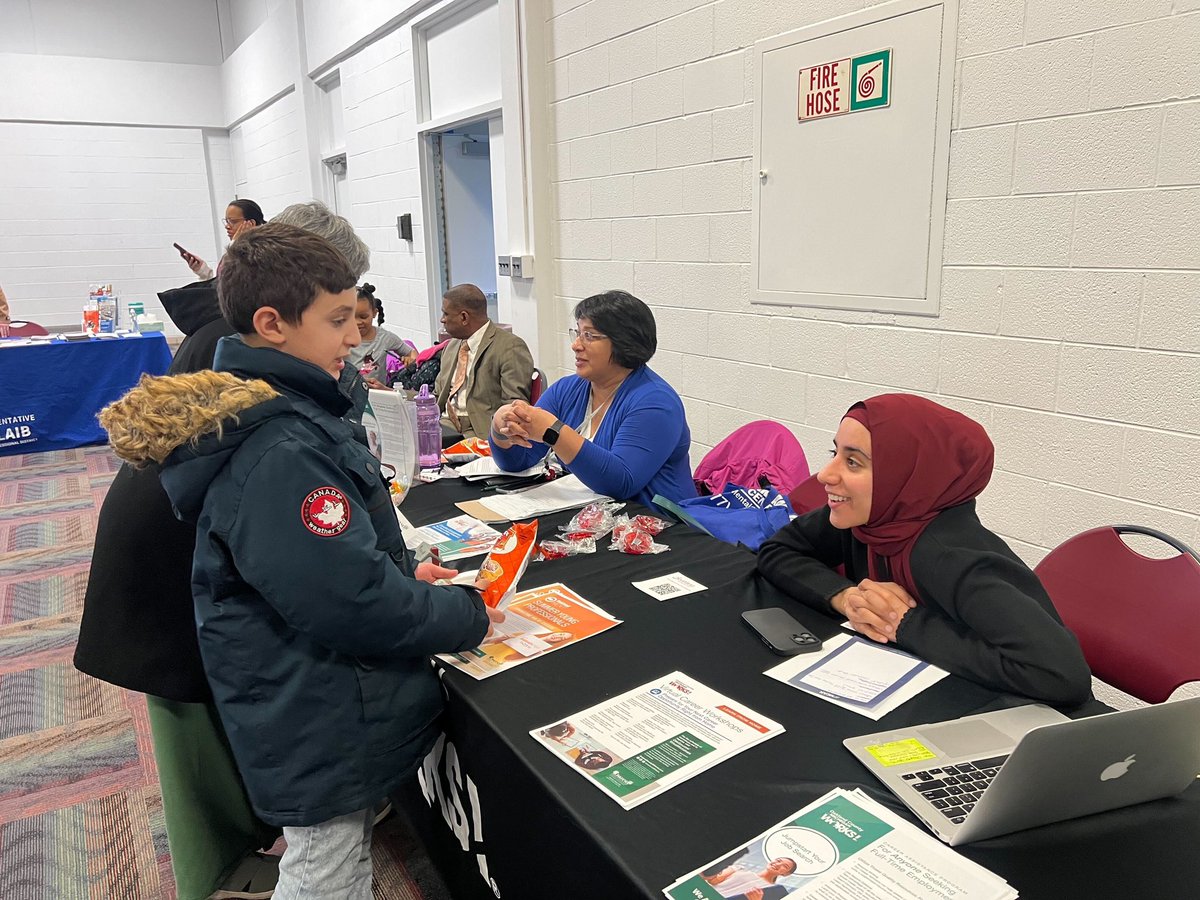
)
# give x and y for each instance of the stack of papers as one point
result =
(485, 467)
(843, 845)
(857, 674)
(455, 538)
(554, 496)
(643, 742)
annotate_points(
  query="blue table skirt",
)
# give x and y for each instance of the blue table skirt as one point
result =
(50, 392)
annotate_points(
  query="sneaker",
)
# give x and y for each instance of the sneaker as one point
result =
(254, 879)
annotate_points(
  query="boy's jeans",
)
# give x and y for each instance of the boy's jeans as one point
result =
(329, 861)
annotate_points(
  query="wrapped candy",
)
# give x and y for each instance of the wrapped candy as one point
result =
(560, 549)
(628, 539)
(649, 524)
(594, 520)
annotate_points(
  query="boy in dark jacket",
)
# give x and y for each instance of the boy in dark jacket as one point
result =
(313, 626)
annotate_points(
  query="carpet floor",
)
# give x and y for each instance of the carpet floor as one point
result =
(80, 809)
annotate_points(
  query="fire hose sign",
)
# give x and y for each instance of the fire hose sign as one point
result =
(845, 86)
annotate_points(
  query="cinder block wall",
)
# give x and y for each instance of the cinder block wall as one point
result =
(1070, 322)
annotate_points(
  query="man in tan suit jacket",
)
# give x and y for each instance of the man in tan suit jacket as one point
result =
(483, 367)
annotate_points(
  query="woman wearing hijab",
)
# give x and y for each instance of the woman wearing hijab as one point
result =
(921, 571)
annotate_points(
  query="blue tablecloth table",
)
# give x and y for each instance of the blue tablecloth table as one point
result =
(50, 391)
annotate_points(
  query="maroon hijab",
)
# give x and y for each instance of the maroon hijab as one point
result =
(924, 458)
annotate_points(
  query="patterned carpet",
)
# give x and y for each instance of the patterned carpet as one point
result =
(80, 810)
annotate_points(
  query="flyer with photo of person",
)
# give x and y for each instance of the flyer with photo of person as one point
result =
(645, 741)
(842, 845)
(536, 622)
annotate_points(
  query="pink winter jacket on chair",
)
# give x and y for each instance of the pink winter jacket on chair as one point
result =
(760, 449)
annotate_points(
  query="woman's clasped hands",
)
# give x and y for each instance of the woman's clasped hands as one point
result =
(520, 423)
(874, 608)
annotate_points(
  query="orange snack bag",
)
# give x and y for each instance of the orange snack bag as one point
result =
(506, 563)
(467, 449)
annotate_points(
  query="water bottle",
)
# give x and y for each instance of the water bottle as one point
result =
(134, 308)
(429, 429)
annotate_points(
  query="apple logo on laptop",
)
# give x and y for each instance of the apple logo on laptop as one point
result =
(1117, 769)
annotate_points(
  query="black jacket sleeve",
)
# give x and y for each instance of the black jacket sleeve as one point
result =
(800, 560)
(995, 624)
(340, 589)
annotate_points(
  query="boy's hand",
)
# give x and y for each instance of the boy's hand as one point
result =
(431, 572)
(494, 616)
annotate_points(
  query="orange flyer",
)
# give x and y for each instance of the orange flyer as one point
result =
(537, 622)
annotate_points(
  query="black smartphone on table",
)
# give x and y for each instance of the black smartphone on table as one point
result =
(781, 633)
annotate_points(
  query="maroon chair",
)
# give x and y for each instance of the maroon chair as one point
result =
(537, 387)
(25, 329)
(808, 495)
(1136, 617)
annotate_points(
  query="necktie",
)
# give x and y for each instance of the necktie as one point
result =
(460, 378)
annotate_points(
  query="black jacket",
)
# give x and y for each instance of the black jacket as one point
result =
(314, 634)
(138, 629)
(983, 613)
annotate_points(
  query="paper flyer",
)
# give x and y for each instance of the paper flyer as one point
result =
(844, 845)
(456, 538)
(537, 622)
(860, 675)
(647, 740)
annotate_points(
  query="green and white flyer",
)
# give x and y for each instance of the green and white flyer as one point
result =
(640, 743)
(845, 845)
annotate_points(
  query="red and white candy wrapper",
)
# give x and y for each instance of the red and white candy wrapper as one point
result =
(628, 539)
(559, 549)
(594, 520)
(649, 524)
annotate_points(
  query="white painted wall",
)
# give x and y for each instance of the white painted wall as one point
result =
(102, 147)
(1069, 323)
(264, 66)
(84, 204)
(166, 31)
(109, 91)
(274, 164)
(463, 59)
(382, 171)
(467, 195)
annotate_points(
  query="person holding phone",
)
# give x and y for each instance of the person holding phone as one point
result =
(240, 217)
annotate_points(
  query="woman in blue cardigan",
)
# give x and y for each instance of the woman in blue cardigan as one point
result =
(614, 423)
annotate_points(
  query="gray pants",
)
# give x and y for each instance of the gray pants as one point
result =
(329, 861)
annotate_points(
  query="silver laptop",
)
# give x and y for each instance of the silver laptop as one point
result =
(1004, 771)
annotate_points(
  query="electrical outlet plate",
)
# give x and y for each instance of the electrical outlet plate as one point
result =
(504, 265)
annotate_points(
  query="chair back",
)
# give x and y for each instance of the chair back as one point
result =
(537, 387)
(755, 452)
(1137, 618)
(25, 329)
(808, 495)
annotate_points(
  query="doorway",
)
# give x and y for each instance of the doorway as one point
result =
(464, 214)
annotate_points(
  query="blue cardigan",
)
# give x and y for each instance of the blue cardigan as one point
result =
(640, 450)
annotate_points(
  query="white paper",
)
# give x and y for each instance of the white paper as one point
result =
(859, 675)
(567, 492)
(485, 467)
(667, 586)
(457, 538)
(397, 434)
(844, 845)
(645, 741)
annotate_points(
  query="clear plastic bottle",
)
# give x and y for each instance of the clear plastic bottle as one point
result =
(429, 428)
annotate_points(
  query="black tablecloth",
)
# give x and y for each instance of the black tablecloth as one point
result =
(538, 830)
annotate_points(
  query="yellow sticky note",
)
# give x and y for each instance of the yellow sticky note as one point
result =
(896, 753)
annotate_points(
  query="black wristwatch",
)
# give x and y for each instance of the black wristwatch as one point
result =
(550, 438)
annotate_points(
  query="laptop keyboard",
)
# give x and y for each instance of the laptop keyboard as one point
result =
(954, 790)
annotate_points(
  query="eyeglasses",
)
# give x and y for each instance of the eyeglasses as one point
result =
(589, 337)
(232, 221)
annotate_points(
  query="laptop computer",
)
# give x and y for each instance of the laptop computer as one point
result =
(1004, 771)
